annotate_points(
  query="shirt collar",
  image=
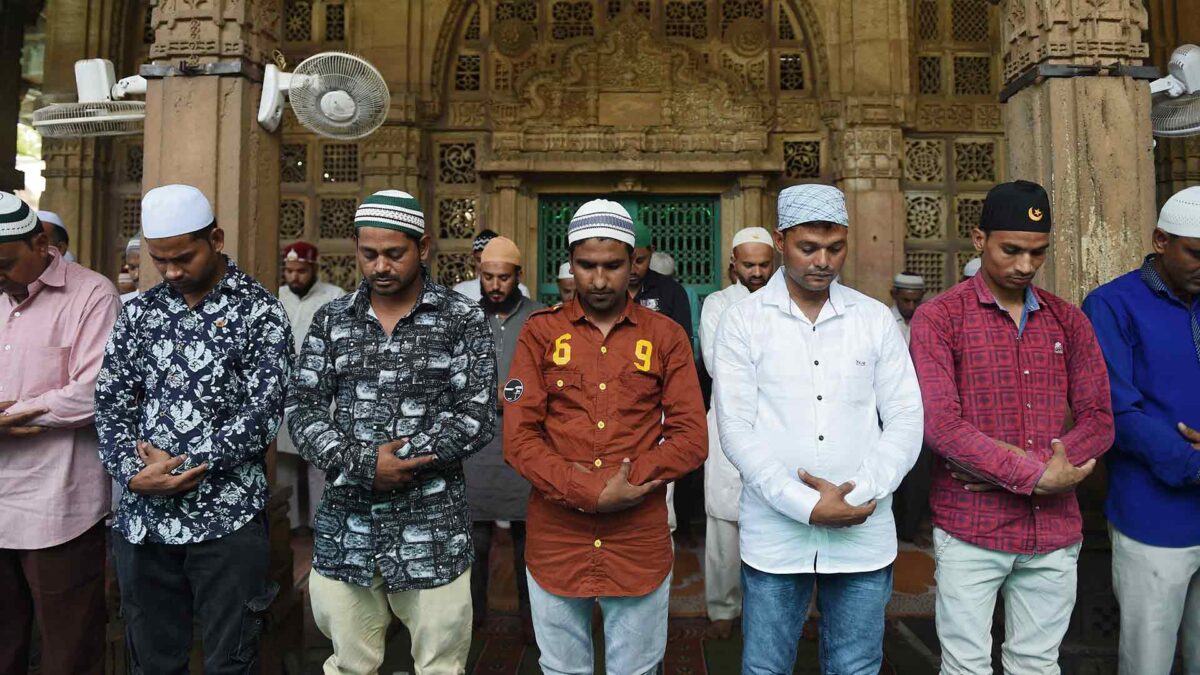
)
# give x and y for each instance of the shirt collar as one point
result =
(360, 304)
(1151, 278)
(574, 312)
(55, 274)
(776, 294)
(986, 297)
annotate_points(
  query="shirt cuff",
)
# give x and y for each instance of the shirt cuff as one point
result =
(798, 502)
(584, 490)
(863, 492)
(1025, 474)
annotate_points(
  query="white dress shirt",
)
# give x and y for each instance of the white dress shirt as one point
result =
(722, 483)
(473, 290)
(300, 313)
(795, 394)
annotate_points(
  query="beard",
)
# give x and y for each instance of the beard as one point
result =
(505, 306)
(302, 290)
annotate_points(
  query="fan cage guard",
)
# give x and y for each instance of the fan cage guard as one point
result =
(103, 118)
(339, 71)
(1175, 117)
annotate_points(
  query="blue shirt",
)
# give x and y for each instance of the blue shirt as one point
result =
(1151, 344)
(206, 381)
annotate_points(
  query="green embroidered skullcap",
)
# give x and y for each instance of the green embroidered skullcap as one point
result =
(392, 210)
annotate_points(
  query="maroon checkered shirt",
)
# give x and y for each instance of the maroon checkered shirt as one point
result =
(983, 380)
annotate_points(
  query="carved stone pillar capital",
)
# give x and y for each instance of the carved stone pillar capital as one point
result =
(868, 152)
(1072, 32)
(752, 181)
(506, 181)
(207, 31)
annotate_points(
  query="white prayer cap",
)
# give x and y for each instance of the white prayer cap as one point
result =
(752, 235)
(662, 263)
(16, 218)
(972, 267)
(601, 218)
(134, 244)
(801, 204)
(564, 271)
(909, 282)
(52, 218)
(172, 210)
(1180, 216)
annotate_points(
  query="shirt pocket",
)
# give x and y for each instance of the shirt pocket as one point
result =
(856, 380)
(43, 369)
(564, 392)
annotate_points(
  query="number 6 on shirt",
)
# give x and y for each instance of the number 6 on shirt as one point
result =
(642, 351)
(562, 350)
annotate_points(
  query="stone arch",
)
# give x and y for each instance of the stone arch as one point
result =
(458, 14)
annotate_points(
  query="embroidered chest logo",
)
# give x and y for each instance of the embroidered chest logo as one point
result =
(1058, 348)
(649, 303)
(862, 364)
(513, 390)
(220, 323)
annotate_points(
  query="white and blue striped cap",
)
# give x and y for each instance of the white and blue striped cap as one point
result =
(601, 218)
(17, 220)
(801, 204)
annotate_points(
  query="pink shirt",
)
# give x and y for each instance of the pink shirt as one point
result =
(52, 486)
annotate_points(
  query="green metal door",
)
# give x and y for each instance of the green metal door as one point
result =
(686, 227)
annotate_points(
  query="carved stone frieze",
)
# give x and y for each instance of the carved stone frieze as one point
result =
(69, 158)
(868, 152)
(934, 116)
(1085, 32)
(204, 31)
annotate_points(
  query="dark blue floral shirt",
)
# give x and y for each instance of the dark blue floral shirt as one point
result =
(207, 382)
(432, 381)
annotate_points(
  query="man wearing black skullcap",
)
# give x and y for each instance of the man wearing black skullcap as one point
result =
(1001, 366)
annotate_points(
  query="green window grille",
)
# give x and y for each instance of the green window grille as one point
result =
(686, 227)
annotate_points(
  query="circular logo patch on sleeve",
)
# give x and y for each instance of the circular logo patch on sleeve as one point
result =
(513, 390)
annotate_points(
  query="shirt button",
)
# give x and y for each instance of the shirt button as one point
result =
(596, 543)
(1029, 442)
(7, 347)
(603, 386)
(819, 397)
(600, 424)
(604, 350)
(1027, 372)
(559, 383)
(816, 363)
(820, 438)
(16, 314)
(598, 463)
(1029, 405)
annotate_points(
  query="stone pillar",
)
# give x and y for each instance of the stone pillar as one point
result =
(504, 220)
(1086, 138)
(867, 169)
(753, 186)
(203, 95)
(874, 94)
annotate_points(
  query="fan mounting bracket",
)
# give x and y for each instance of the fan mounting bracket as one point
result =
(237, 67)
(1044, 71)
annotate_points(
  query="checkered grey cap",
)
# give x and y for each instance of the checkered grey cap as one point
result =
(801, 204)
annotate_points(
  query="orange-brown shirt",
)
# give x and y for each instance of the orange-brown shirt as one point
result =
(575, 396)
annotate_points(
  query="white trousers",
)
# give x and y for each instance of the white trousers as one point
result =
(1158, 590)
(1039, 594)
(722, 570)
(356, 620)
(287, 473)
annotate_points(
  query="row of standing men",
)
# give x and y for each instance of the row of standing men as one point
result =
(818, 409)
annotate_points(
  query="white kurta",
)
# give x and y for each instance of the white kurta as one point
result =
(300, 312)
(722, 483)
(837, 397)
(905, 329)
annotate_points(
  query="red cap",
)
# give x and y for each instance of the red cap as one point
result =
(300, 251)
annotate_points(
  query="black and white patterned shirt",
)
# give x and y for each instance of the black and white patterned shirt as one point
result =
(207, 382)
(432, 381)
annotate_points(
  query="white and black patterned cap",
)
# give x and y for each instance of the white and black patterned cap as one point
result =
(391, 210)
(801, 204)
(17, 220)
(601, 218)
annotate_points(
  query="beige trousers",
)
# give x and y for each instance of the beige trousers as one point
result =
(356, 620)
(722, 570)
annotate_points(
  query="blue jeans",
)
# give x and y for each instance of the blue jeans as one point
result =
(635, 631)
(775, 606)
